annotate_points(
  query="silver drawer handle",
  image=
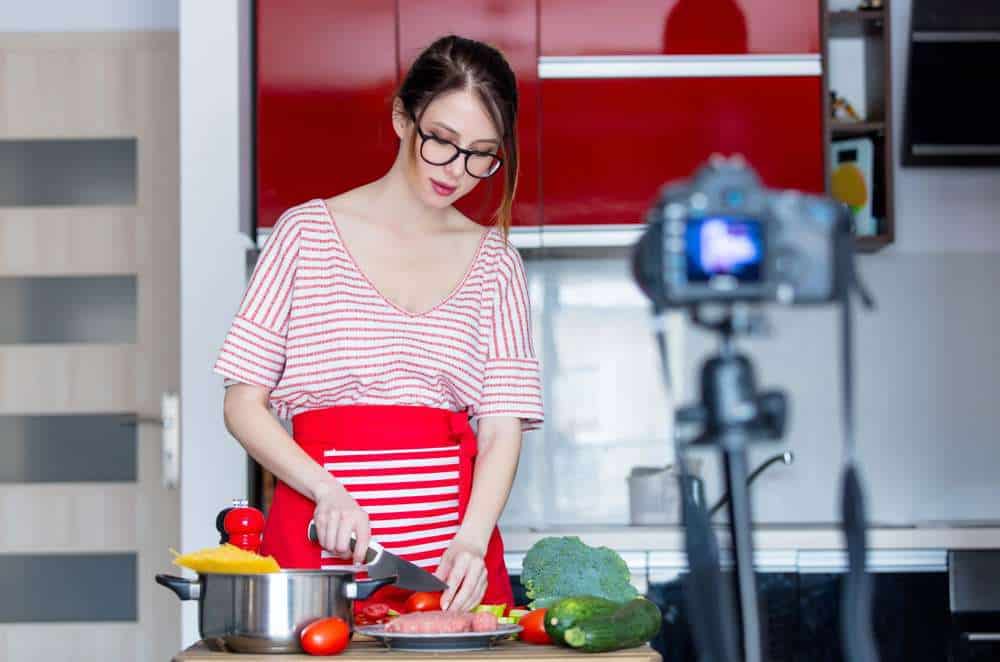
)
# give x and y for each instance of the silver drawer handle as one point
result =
(983, 636)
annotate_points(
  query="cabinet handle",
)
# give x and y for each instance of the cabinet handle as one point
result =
(982, 636)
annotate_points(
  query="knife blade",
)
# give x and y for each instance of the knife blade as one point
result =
(382, 563)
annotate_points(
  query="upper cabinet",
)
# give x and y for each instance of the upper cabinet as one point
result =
(511, 26)
(636, 95)
(679, 27)
(325, 72)
(615, 99)
(610, 144)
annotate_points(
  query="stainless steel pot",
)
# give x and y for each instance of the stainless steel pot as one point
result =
(265, 613)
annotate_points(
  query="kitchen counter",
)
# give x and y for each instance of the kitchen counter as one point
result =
(369, 650)
(656, 553)
(931, 536)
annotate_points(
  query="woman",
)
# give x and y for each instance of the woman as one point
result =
(380, 321)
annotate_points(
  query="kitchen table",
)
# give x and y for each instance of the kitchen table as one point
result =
(370, 650)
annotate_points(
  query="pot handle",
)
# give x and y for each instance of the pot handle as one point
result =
(362, 590)
(186, 589)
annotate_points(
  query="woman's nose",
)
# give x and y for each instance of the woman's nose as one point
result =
(456, 168)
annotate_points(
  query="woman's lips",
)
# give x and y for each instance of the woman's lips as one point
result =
(442, 189)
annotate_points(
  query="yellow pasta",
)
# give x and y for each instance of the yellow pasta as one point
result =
(226, 559)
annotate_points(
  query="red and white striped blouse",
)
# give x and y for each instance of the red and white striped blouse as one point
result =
(315, 331)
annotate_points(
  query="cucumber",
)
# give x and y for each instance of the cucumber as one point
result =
(631, 625)
(565, 613)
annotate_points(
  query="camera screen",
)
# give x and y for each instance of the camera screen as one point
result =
(722, 246)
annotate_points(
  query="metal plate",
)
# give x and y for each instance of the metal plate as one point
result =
(438, 643)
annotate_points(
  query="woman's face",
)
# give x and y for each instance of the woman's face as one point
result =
(460, 118)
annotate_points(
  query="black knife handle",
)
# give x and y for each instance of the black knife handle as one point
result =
(363, 588)
(373, 547)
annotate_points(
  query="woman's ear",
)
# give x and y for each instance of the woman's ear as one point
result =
(400, 118)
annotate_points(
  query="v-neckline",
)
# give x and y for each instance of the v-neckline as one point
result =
(392, 304)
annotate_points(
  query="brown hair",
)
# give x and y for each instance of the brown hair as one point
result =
(456, 63)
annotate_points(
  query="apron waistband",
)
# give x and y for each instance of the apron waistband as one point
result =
(358, 427)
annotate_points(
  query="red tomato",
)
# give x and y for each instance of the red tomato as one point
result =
(327, 636)
(534, 628)
(423, 602)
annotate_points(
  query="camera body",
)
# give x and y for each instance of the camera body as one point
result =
(722, 237)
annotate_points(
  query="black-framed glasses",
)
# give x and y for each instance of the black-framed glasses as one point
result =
(438, 151)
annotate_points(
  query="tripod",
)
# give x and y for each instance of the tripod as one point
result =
(730, 416)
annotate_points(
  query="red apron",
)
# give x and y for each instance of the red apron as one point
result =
(410, 468)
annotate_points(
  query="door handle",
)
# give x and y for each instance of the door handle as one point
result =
(169, 421)
(170, 413)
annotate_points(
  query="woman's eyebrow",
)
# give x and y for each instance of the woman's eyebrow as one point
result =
(448, 128)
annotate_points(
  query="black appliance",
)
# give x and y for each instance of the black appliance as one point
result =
(951, 107)
(974, 601)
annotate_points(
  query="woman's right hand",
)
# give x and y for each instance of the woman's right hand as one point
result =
(337, 516)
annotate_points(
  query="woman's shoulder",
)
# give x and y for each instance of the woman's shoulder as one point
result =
(310, 213)
(490, 235)
(320, 209)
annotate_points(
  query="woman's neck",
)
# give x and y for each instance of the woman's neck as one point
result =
(394, 203)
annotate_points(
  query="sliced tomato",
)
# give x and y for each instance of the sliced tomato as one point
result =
(376, 610)
(327, 636)
(423, 602)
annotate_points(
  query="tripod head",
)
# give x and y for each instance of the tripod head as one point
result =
(731, 412)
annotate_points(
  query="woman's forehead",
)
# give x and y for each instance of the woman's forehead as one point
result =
(462, 112)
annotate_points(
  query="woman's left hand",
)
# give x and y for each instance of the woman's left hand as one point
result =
(463, 569)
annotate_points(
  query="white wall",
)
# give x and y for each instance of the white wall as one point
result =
(213, 51)
(90, 15)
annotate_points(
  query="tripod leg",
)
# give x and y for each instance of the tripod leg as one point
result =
(708, 597)
(735, 462)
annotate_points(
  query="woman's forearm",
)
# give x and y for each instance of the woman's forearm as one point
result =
(251, 422)
(496, 466)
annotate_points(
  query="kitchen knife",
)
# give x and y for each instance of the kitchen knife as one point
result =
(382, 563)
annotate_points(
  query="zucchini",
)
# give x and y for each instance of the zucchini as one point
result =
(565, 613)
(633, 624)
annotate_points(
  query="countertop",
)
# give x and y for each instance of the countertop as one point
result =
(368, 650)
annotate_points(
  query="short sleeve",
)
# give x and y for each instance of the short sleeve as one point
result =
(512, 381)
(253, 351)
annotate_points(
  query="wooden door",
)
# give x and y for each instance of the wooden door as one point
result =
(89, 343)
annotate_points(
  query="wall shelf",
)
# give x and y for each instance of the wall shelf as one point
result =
(872, 28)
(844, 129)
(873, 244)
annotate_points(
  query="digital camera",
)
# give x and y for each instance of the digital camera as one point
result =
(723, 237)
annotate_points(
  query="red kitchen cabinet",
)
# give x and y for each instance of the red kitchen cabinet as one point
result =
(679, 27)
(511, 26)
(609, 144)
(326, 72)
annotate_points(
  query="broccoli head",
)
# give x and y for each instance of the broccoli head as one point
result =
(560, 567)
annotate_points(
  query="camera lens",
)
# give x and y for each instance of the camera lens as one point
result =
(733, 197)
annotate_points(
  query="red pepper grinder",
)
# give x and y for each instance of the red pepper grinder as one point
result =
(243, 526)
